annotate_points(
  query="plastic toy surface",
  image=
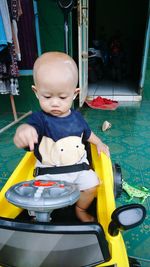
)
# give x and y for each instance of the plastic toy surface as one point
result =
(41, 197)
(64, 242)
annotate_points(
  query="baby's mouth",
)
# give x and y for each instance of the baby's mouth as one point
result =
(56, 111)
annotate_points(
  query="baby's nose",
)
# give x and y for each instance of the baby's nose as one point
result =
(55, 101)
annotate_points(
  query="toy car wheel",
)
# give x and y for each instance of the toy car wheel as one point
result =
(134, 263)
(117, 180)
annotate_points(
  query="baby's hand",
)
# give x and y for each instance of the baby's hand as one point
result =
(26, 136)
(101, 147)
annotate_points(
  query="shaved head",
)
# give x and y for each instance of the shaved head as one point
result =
(56, 67)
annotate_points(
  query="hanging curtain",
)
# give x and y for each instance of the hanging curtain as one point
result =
(27, 36)
(10, 11)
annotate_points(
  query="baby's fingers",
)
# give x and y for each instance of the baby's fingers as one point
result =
(33, 139)
(106, 150)
(26, 136)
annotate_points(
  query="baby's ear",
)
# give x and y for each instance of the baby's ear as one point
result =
(76, 92)
(34, 90)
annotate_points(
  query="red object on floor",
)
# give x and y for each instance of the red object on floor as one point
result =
(102, 103)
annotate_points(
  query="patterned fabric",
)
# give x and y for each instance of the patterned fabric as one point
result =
(15, 9)
(27, 36)
(8, 58)
(3, 39)
(9, 86)
(13, 72)
(4, 87)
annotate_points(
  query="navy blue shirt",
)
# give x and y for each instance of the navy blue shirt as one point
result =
(58, 127)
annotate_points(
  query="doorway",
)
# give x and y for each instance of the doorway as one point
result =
(124, 22)
(117, 28)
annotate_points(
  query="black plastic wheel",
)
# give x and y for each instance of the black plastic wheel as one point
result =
(117, 180)
(134, 263)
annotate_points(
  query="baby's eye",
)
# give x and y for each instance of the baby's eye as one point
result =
(63, 97)
(47, 97)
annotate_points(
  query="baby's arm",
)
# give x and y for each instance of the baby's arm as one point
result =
(26, 136)
(101, 147)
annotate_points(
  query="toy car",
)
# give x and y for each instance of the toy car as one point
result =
(63, 241)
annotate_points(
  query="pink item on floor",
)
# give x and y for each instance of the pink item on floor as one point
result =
(102, 103)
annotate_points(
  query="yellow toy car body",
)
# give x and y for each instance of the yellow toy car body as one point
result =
(105, 205)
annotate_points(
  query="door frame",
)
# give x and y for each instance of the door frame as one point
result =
(82, 8)
(145, 53)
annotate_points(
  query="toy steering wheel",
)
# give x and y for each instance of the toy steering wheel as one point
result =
(41, 197)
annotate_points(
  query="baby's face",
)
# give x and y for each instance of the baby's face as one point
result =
(54, 97)
(55, 76)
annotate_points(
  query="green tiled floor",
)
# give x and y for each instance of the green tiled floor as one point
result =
(129, 142)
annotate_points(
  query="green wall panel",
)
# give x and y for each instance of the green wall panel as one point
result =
(27, 99)
(5, 105)
(51, 23)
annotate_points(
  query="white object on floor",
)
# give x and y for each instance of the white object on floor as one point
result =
(106, 125)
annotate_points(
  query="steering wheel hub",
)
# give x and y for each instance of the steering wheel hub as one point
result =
(41, 197)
